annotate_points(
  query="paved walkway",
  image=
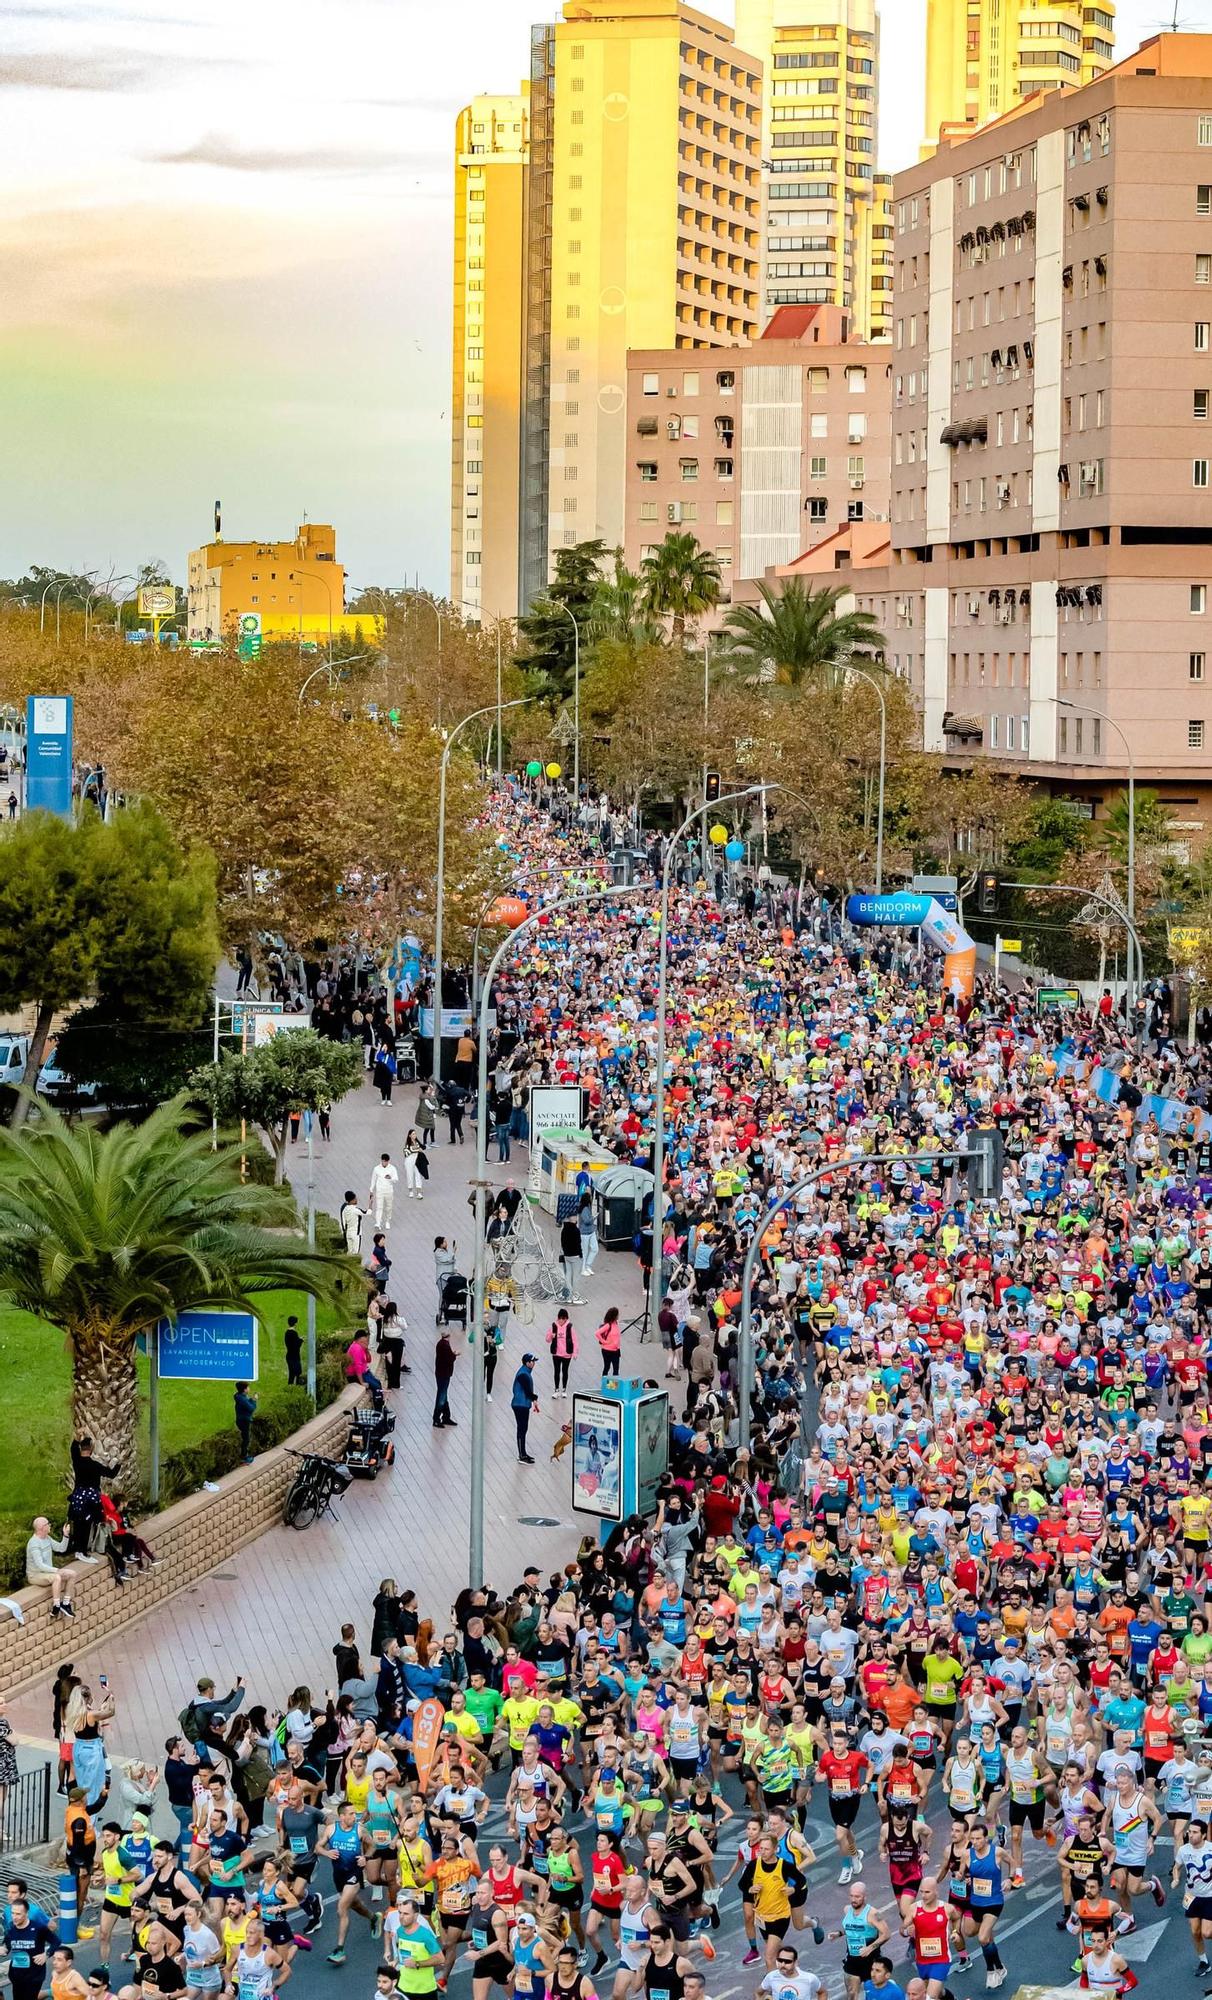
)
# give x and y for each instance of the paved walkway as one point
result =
(274, 1612)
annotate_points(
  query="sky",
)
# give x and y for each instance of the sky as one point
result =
(225, 255)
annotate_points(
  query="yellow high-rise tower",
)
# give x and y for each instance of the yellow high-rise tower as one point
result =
(644, 220)
(491, 142)
(983, 56)
(828, 228)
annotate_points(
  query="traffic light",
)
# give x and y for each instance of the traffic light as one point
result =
(986, 893)
(711, 791)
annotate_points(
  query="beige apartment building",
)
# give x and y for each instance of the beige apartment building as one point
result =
(1045, 588)
(759, 451)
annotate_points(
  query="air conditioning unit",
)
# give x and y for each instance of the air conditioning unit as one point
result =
(673, 511)
(974, 607)
(1003, 489)
(856, 485)
(672, 391)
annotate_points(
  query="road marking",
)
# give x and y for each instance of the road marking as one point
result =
(1032, 1917)
(1140, 1945)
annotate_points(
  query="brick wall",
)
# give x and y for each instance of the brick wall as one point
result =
(191, 1538)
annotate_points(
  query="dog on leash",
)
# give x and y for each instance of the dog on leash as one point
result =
(562, 1442)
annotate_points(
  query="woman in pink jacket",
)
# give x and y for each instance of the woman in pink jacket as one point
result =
(562, 1340)
(610, 1339)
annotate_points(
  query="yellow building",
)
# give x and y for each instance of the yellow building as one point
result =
(983, 56)
(491, 140)
(296, 589)
(828, 225)
(644, 230)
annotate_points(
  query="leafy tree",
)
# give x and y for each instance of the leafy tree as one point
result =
(298, 1070)
(642, 708)
(619, 612)
(799, 635)
(135, 1067)
(549, 655)
(1054, 831)
(681, 580)
(106, 911)
(105, 1234)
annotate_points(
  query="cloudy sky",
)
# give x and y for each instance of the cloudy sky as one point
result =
(225, 264)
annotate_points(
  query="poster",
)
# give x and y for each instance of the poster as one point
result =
(651, 1450)
(597, 1457)
(208, 1347)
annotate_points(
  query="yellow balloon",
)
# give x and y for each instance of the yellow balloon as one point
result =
(718, 836)
(553, 770)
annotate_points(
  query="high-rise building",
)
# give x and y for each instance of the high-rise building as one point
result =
(491, 139)
(983, 56)
(827, 231)
(643, 225)
(1048, 588)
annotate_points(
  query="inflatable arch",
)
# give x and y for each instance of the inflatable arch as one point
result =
(936, 925)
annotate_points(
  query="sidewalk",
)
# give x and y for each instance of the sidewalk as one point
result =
(274, 1612)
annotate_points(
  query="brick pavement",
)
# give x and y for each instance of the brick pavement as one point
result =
(274, 1610)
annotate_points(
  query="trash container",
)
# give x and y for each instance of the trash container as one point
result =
(617, 1219)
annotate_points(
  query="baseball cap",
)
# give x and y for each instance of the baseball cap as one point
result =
(530, 1357)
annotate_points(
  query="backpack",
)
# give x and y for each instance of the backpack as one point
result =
(190, 1722)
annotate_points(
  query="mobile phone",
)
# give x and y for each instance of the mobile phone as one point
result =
(103, 1680)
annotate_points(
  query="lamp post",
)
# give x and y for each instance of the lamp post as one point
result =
(1079, 708)
(608, 892)
(652, 1304)
(447, 747)
(42, 609)
(576, 703)
(862, 674)
(102, 590)
(58, 600)
(308, 576)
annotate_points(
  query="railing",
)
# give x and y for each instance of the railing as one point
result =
(26, 1811)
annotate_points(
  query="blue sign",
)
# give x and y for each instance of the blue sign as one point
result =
(898, 909)
(208, 1347)
(48, 754)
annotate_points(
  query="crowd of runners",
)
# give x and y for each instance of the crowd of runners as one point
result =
(949, 1606)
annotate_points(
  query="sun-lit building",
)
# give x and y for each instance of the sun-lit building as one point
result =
(278, 590)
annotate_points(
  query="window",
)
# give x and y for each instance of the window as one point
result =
(1199, 599)
(1204, 130)
(723, 513)
(1195, 735)
(648, 510)
(856, 381)
(818, 381)
(1199, 472)
(820, 468)
(690, 470)
(1201, 336)
(818, 511)
(1199, 405)
(690, 385)
(1203, 267)
(1203, 198)
(994, 720)
(1010, 732)
(652, 385)
(1195, 666)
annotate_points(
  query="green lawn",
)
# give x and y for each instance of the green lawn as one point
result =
(35, 1410)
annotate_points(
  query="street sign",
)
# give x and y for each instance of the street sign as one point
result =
(266, 1026)
(48, 754)
(1010, 944)
(1187, 941)
(248, 634)
(1057, 999)
(208, 1347)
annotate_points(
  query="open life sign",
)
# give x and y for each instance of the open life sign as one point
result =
(208, 1347)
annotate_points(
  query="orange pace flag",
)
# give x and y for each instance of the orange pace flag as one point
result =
(426, 1735)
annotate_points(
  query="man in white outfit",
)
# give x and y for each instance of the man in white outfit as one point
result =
(383, 1191)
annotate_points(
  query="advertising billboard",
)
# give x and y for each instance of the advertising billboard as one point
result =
(208, 1347)
(48, 755)
(597, 1457)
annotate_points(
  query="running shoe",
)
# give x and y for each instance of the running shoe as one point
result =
(708, 1948)
(337, 1957)
(751, 1956)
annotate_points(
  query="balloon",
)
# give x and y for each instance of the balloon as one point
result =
(735, 850)
(534, 769)
(718, 836)
(553, 770)
(509, 910)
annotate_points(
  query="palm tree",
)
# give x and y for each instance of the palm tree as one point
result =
(681, 580)
(799, 633)
(105, 1234)
(620, 609)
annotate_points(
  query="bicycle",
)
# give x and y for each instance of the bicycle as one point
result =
(317, 1483)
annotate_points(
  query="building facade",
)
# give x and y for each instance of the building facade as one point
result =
(491, 143)
(643, 228)
(827, 232)
(761, 451)
(1046, 585)
(984, 56)
(295, 589)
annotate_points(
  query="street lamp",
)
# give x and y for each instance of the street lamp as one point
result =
(576, 702)
(863, 674)
(1079, 708)
(475, 1555)
(652, 1304)
(307, 576)
(42, 609)
(102, 590)
(447, 747)
(67, 584)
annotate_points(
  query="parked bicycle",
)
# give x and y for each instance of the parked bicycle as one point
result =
(318, 1482)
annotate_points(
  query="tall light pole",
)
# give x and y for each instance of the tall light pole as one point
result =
(42, 610)
(66, 585)
(475, 1553)
(102, 590)
(576, 703)
(652, 1304)
(863, 674)
(447, 747)
(308, 576)
(1079, 708)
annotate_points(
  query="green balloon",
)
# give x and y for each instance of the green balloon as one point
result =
(534, 769)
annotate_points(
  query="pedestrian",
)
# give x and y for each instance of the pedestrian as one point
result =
(244, 966)
(391, 1330)
(502, 1111)
(455, 1098)
(570, 1258)
(562, 1340)
(609, 1337)
(84, 1500)
(292, 1341)
(358, 1368)
(444, 1264)
(383, 1191)
(12, 805)
(40, 1552)
(524, 1400)
(427, 1113)
(351, 1218)
(378, 1264)
(587, 1223)
(416, 1166)
(384, 1071)
(443, 1368)
(246, 1410)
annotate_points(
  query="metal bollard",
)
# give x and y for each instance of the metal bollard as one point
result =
(67, 1909)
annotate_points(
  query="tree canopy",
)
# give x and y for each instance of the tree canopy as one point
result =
(799, 634)
(297, 1070)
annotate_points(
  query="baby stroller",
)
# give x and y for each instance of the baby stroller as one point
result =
(452, 1311)
(369, 1445)
(406, 1059)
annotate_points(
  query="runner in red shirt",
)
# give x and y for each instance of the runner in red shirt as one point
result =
(844, 1771)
